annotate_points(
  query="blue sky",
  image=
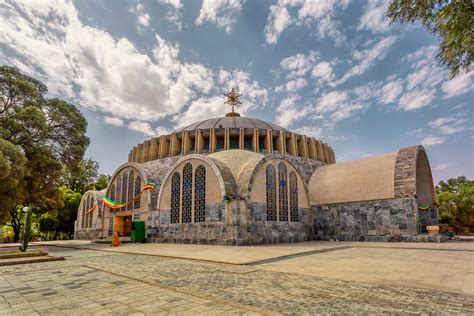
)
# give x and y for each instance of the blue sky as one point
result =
(336, 70)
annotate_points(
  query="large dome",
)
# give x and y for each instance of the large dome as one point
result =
(232, 122)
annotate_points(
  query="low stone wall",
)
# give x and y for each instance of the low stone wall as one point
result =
(378, 220)
(87, 234)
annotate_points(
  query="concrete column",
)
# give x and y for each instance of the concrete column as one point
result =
(146, 150)
(312, 148)
(325, 153)
(226, 139)
(134, 154)
(187, 143)
(130, 156)
(164, 146)
(154, 149)
(255, 140)
(241, 139)
(140, 153)
(199, 142)
(319, 151)
(280, 145)
(212, 141)
(302, 147)
(269, 142)
(291, 145)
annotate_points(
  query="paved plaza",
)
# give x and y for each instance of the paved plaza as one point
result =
(304, 278)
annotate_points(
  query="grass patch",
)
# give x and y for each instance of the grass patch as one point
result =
(18, 252)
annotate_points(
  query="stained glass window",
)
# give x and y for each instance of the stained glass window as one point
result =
(118, 191)
(200, 194)
(124, 190)
(175, 197)
(282, 192)
(186, 206)
(138, 187)
(271, 193)
(112, 192)
(131, 180)
(84, 205)
(293, 197)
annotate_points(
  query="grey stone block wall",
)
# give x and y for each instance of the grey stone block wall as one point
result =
(364, 220)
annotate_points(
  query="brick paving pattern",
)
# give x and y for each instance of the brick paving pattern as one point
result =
(114, 283)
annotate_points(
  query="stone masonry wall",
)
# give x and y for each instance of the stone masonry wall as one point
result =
(378, 220)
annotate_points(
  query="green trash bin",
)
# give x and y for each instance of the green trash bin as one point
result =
(138, 231)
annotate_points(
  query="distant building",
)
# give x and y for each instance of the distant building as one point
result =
(238, 181)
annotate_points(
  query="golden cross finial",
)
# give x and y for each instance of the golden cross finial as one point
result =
(233, 99)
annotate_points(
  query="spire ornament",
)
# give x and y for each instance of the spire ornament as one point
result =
(233, 99)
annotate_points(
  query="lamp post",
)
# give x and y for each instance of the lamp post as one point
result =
(27, 229)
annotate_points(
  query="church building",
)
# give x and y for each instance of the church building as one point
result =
(239, 181)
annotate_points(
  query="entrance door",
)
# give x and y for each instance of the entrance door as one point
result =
(127, 226)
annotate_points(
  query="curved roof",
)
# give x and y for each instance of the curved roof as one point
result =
(365, 179)
(232, 122)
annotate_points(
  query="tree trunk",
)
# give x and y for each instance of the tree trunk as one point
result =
(15, 223)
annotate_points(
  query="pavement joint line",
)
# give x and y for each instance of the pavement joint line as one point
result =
(296, 255)
(414, 248)
(208, 297)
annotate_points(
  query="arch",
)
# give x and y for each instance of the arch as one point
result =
(187, 194)
(175, 197)
(271, 193)
(282, 192)
(293, 197)
(131, 179)
(200, 194)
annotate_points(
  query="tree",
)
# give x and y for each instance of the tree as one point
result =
(83, 177)
(12, 172)
(456, 201)
(68, 214)
(451, 20)
(102, 182)
(15, 220)
(49, 132)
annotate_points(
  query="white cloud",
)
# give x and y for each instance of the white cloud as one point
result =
(310, 131)
(90, 67)
(145, 128)
(422, 83)
(292, 85)
(367, 58)
(298, 65)
(431, 140)
(391, 91)
(458, 85)
(332, 101)
(207, 107)
(174, 14)
(143, 18)
(374, 18)
(310, 12)
(323, 71)
(222, 13)
(113, 121)
(448, 125)
(416, 99)
(289, 111)
(277, 21)
(442, 166)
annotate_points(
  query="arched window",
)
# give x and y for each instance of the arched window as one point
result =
(91, 204)
(118, 191)
(293, 197)
(138, 185)
(175, 197)
(131, 180)
(186, 206)
(271, 193)
(124, 190)
(112, 192)
(84, 210)
(283, 192)
(200, 194)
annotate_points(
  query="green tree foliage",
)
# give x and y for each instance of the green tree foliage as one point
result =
(102, 182)
(451, 20)
(456, 201)
(12, 172)
(83, 177)
(49, 132)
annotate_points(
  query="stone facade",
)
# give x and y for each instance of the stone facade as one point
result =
(367, 220)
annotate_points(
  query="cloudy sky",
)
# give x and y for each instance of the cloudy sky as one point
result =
(336, 70)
